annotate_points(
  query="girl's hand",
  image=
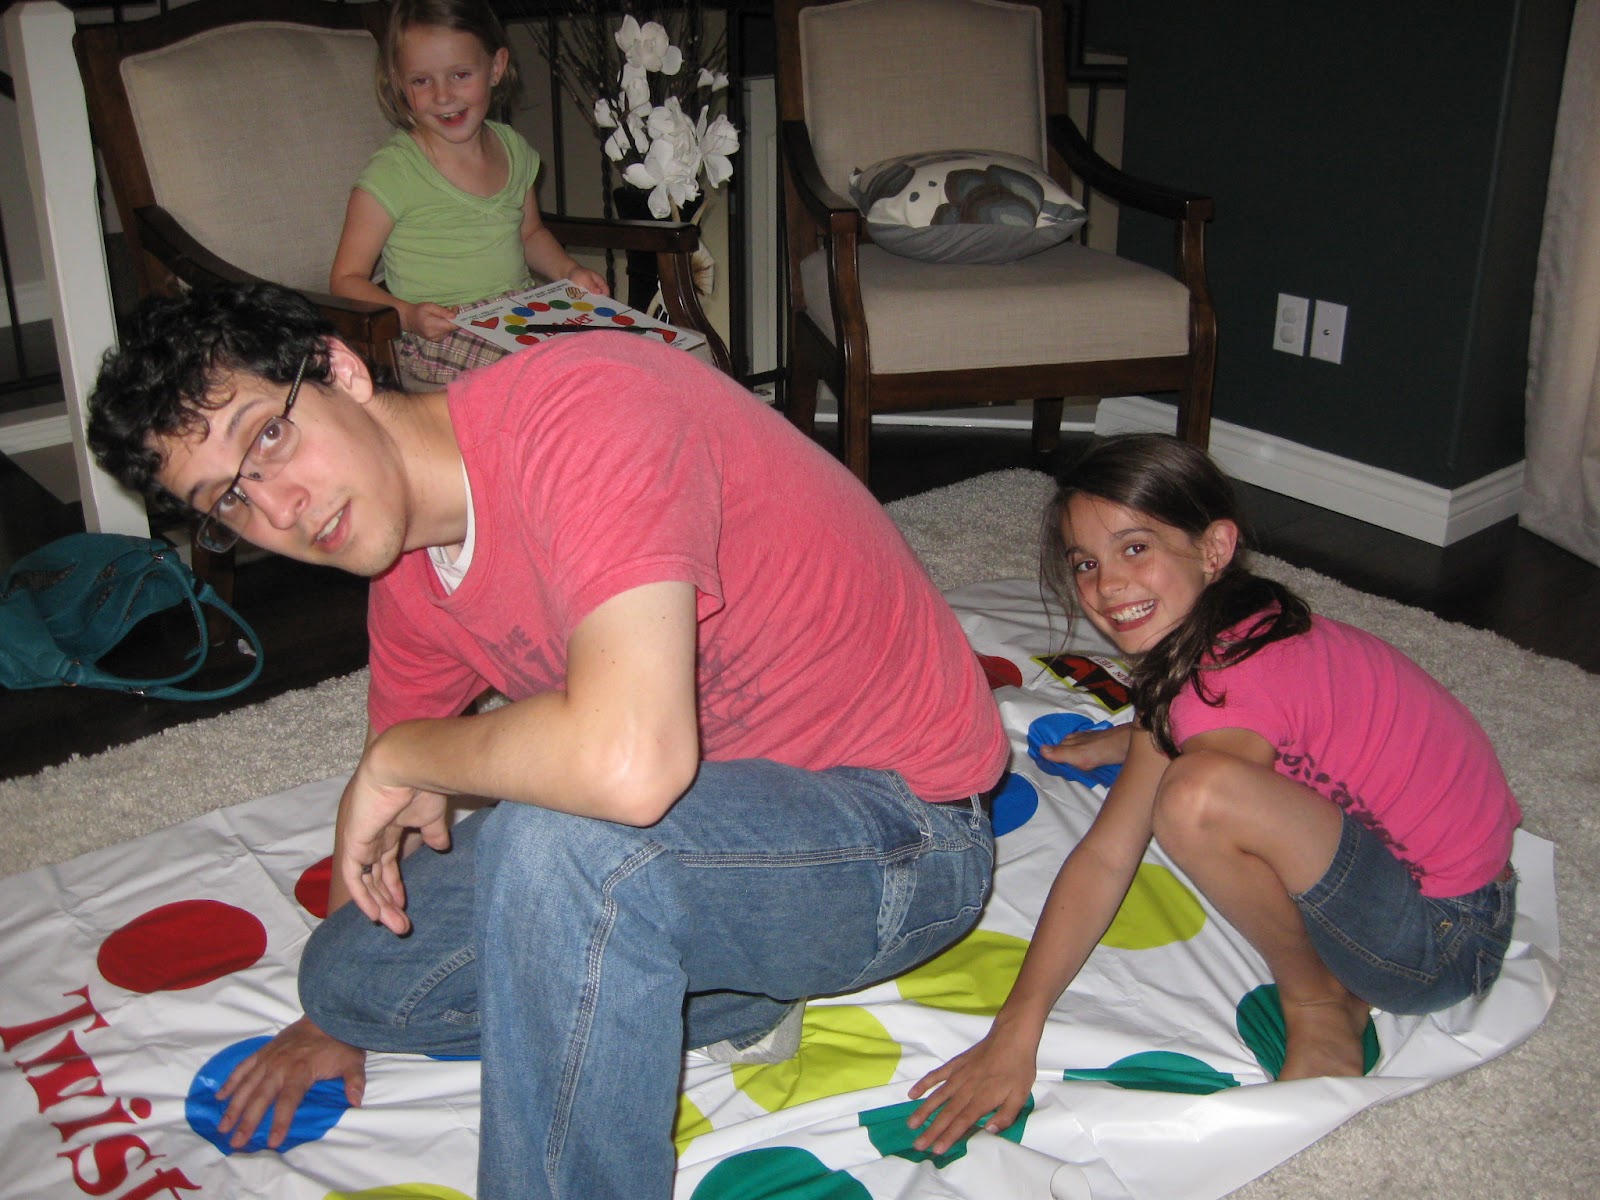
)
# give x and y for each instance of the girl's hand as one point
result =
(1092, 748)
(592, 280)
(431, 321)
(995, 1076)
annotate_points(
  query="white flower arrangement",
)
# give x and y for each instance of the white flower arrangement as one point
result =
(663, 131)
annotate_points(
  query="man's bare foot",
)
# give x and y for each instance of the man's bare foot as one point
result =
(1324, 1037)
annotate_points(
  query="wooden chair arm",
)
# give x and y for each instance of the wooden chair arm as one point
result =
(838, 227)
(1067, 141)
(655, 237)
(826, 207)
(672, 242)
(369, 327)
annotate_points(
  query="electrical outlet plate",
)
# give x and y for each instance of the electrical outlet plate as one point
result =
(1327, 332)
(1289, 325)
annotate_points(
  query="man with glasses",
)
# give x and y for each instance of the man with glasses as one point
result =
(745, 744)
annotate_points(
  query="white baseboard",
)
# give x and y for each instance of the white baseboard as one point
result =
(33, 304)
(1439, 516)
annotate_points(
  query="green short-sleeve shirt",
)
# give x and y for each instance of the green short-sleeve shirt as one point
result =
(449, 246)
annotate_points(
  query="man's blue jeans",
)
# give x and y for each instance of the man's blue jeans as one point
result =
(588, 955)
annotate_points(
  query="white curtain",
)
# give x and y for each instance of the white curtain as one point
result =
(1561, 490)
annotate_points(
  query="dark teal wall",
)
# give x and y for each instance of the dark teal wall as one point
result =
(1389, 157)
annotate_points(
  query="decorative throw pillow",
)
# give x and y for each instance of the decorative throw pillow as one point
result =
(964, 206)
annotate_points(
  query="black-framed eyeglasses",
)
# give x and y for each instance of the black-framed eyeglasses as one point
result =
(270, 450)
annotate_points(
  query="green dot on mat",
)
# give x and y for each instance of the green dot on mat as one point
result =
(843, 1048)
(559, 304)
(1259, 1018)
(402, 1191)
(973, 976)
(777, 1171)
(691, 1123)
(1158, 1071)
(889, 1133)
(1157, 911)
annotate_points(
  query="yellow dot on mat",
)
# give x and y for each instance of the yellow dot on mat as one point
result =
(691, 1123)
(843, 1048)
(973, 976)
(402, 1191)
(1157, 911)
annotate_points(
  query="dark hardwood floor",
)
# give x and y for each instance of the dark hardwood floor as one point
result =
(312, 619)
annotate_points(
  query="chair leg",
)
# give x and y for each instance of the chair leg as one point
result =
(1194, 414)
(800, 390)
(1047, 424)
(1194, 401)
(855, 428)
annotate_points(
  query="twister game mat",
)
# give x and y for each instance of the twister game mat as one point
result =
(136, 977)
(536, 315)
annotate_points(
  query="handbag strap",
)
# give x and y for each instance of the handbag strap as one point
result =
(164, 687)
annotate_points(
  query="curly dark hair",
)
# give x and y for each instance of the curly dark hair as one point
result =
(1180, 486)
(176, 355)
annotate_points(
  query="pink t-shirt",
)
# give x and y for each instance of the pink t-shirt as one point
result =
(605, 462)
(1352, 717)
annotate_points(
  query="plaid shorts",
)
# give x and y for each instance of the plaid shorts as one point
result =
(458, 351)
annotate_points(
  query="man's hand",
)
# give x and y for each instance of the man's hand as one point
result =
(367, 842)
(994, 1077)
(278, 1075)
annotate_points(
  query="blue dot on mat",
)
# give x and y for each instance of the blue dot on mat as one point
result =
(605, 312)
(522, 312)
(1014, 805)
(319, 1112)
(1050, 729)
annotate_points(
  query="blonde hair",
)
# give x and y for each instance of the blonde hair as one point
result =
(463, 16)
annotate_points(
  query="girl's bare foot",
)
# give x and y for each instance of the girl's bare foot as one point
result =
(1324, 1037)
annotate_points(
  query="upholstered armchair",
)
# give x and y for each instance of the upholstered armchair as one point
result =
(864, 83)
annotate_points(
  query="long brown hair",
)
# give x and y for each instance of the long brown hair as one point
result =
(1178, 485)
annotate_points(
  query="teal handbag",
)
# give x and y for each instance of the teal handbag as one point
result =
(66, 605)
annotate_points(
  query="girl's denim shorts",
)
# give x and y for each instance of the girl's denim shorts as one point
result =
(1395, 948)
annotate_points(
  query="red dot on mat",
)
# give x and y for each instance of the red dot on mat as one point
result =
(622, 319)
(528, 339)
(1000, 671)
(311, 889)
(181, 945)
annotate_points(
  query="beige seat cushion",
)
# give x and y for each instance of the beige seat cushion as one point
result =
(254, 136)
(1066, 305)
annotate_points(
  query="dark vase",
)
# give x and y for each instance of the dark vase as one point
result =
(633, 204)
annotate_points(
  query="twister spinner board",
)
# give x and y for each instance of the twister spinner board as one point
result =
(527, 318)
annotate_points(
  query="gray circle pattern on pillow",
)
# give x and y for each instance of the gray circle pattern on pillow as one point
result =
(964, 206)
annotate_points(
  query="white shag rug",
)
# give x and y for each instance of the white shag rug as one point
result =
(1525, 1124)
